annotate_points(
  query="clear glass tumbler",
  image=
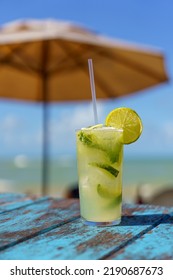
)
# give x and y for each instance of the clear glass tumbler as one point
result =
(100, 160)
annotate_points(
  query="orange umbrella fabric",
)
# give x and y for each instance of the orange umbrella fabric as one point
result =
(53, 54)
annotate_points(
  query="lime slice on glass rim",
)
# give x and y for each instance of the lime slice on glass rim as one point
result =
(127, 120)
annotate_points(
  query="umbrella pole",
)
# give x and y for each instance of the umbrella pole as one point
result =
(45, 160)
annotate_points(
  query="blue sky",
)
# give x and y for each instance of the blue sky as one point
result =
(144, 22)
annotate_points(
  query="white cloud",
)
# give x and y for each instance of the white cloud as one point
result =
(15, 137)
(18, 136)
(168, 132)
(62, 129)
(10, 126)
(156, 139)
(10, 123)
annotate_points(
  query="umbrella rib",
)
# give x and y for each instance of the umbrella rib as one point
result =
(72, 53)
(119, 58)
(133, 65)
(19, 67)
(103, 86)
(8, 55)
(130, 64)
(23, 59)
(60, 64)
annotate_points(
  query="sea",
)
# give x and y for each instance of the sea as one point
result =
(26, 177)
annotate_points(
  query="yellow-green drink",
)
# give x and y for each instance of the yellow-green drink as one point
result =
(100, 159)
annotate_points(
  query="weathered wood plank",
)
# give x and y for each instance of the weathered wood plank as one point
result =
(9, 201)
(157, 244)
(26, 222)
(78, 241)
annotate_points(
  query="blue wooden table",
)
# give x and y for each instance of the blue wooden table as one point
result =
(50, 228)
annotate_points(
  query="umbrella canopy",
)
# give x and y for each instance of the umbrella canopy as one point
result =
(46, 61)
(32, 51)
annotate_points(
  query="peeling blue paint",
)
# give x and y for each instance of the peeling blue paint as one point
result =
(38, 217)
(157, 244)
(10, 201)
(51, 229)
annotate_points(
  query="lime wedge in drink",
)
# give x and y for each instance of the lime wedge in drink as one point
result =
(109, 193)
(127, 120)
(106, 167)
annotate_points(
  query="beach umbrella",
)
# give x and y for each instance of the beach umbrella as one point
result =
(46, 61)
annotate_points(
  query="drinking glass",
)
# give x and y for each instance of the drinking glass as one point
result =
(100, 160)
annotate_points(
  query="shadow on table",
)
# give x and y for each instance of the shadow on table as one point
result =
(150, 219)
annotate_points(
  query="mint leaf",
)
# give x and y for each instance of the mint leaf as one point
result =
(88, 139)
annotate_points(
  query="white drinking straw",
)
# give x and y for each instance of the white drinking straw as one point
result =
(92, 84)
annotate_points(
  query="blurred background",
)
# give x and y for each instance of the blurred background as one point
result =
(148, 163)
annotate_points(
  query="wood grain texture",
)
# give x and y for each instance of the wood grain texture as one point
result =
(52, 229)
(33, 219)
(156, 244)
(10, 201)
